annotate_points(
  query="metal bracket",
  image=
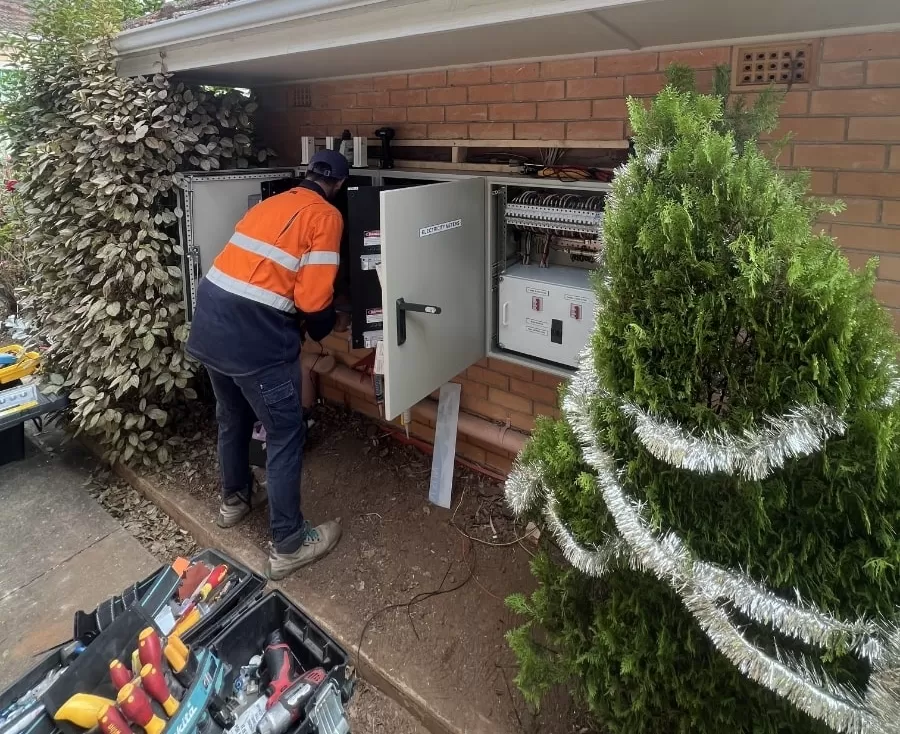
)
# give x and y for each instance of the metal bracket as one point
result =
(402, 308)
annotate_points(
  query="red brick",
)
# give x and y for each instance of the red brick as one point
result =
(324, 117)
(856, 259)
(373, 99)
(411, 131)
(390, 114)
(889, 267)
(627, 64)
(362, 84)
(470, 387)
(397, 81)
(340, 101)
(540, 130)
(521, 421)
(467, 113)
(491, 93)
(895, 158)
(821, 183)
(354, 116)
(890, 213)
(469, 76)
(549, 410)
(362, 405)
(491, 131)
(593, 88)
(447, 132)
(809, 129)
(332, 394)
(606, 109)
(845, 157)
(533, 391)
(872, 239)
(513, 111)
(855, 102)
(427, 79)
(866, 46)
(470, 452)
(567, 68)
(842, 74)
(885, 72)
(883, 185)
(408, 97)
(422, 430)
(795, 103)
(501, 463)
(698, 58)
(862, 211)
(644, 85)
(489, 409)
(547, 380)
(596, 130)
(446, 95)
(874, 128)
(888, 293)
(515, 72)
(572, 110)
(512, 369)
(425, 114)
(528, 91)
(895, 316)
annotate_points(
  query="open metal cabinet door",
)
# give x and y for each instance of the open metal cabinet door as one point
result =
(213, 203)
(433, 265)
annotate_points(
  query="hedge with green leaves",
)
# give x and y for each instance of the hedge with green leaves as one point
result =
(721, 305)
(99, 158)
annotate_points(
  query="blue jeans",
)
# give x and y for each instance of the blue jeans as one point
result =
(271, 396)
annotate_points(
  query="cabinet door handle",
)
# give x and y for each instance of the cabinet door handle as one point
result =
(402, 308)
(504, 320)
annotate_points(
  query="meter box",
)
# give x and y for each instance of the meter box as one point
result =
(546, 313)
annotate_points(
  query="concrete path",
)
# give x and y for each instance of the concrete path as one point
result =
(59, 552)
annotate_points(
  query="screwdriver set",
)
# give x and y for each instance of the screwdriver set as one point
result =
(196, 648)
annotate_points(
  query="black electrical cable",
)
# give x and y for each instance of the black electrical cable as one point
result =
(417, 599)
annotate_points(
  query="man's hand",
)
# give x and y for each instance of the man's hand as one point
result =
(342, 322)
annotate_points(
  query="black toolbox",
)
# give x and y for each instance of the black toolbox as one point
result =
(232, 633)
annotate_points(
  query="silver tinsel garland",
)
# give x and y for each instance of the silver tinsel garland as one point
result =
(708, 591)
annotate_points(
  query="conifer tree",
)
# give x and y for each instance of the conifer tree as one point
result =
(723, 490)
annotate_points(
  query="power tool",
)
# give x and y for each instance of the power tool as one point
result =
(292, 702)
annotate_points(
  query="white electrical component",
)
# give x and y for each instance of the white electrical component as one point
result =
(307, 148)
(547, 313)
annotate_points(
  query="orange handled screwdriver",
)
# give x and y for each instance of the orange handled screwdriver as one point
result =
(119, 674)
(111, 721)
(186, 621)
(154, 683)
(150, 648)
(136, 706)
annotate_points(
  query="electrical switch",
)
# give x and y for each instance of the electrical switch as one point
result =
(537, 303)
(556, 331)
(575, 311)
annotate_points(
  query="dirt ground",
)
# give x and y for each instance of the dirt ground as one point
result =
(423, 587)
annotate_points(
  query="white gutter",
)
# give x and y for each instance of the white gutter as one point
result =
(245, 15)
(228, 18)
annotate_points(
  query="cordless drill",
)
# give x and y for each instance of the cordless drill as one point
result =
(292, 702)
(280, 664)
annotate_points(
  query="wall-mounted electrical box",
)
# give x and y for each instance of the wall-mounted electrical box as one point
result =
(442, 269)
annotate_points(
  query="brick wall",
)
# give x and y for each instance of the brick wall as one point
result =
(846, 128)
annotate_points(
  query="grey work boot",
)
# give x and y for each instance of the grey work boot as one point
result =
(235, 508)
(317, 543)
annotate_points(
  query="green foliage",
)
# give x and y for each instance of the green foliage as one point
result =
(721, 306)
(99, 158)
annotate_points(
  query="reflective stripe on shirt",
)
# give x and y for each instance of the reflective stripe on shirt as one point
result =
(320, 257)
(249, 291)
(270, 252)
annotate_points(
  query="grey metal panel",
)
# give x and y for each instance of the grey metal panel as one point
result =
(213, 203)
(432, 252)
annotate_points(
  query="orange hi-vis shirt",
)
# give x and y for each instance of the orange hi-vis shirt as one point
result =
(284, 253)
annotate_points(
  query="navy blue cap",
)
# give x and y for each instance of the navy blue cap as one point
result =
(330, 164)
